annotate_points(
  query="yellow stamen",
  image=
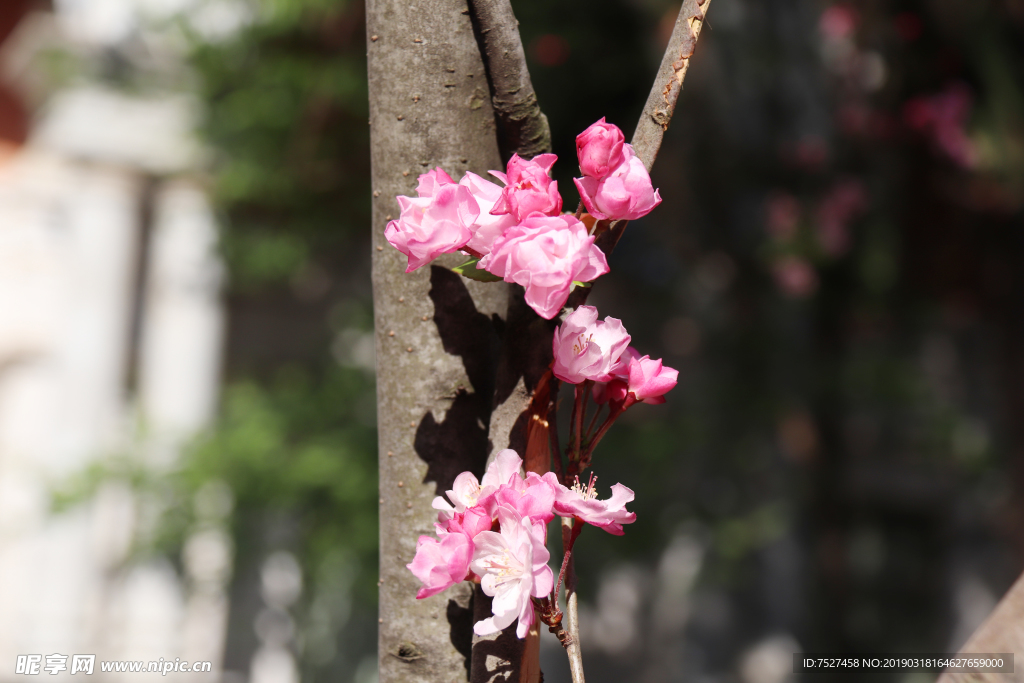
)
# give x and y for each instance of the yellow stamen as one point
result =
(588, 492)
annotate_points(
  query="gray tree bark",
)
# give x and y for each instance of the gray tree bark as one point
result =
(661, 102)
(522, 127)
(436, 335)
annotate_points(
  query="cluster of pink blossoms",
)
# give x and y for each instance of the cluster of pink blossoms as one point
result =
(588, 349)
(494, 531)
(518, 231)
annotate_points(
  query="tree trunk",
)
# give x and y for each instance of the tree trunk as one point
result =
(437, 334)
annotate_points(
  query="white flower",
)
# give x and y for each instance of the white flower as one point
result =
(513, 567)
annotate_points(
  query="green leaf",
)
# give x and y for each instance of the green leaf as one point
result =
(577, 283)
(469, 269)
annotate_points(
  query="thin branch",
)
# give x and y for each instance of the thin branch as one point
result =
(522, 127)
(556, 451)
(661, 103)
(587, 391)
(572, 618)
(593, 420)
(576, 529)
(658, 111)
(577, 425)
(552, 616)
(613, 414)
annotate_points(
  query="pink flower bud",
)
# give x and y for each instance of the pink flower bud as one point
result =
(545, 254)
(529, 189)
(649, 380)
(586, 348)
(625, 194)
(600, 149)
(437, 222)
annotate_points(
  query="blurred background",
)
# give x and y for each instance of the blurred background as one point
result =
(187, 440)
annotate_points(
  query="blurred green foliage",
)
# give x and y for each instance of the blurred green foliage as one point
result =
(299, 445)
(286, 111)
(285, 115)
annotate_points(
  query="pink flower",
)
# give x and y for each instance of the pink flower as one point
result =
(581, 502)
(513, 568)
(625, 194)
(600, 149)
(464, 492)
(649, 380)
(437, 222)
(471, 522)
(440, 564)
(467, 492)
(533, 497)
(636, 379)
(505, 466)
(430, 182)
(529, 190)
(487, 226)
(545, 254)
(585, 348)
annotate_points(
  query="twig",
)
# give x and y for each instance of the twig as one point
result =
(587, 391)
(552, 616)
(661, 102)
(593, 420)
(577, 425)
(576, 529)
(556, 451)
(522, 127)
(572, 620)
(592, 444)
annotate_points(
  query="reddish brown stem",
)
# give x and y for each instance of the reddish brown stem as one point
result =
(593, 420)
(556, 450)
(577, 528)
(552, 616)
(577, 425)
(592, 444)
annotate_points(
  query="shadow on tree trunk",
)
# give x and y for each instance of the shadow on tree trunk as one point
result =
(460, 443)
